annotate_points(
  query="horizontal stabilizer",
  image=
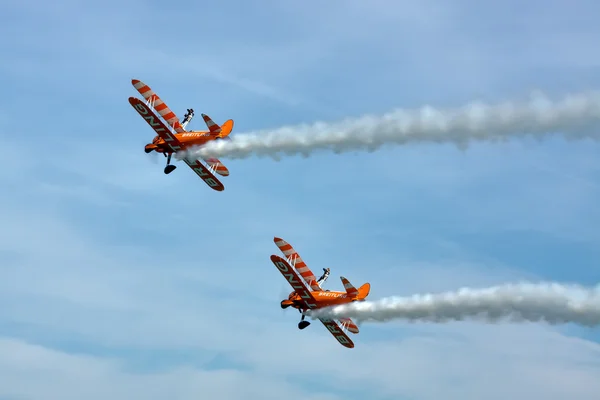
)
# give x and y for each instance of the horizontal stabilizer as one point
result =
(218, 166)
(347, 323)
(350, 290)
(212, 127)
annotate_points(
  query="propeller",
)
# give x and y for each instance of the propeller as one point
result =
(154, 157)
(284, 292)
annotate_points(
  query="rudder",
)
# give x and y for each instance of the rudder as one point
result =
(226, 128)
(364, 291)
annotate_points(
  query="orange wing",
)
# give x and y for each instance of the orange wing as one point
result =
(292, 277)
(295, 259)
(337, 332)
(159, 105)
(164, 111)
(205, 175)
(299, 286)
(174, 144)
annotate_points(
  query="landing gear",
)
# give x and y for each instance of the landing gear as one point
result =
(169, 168)
(303, 324)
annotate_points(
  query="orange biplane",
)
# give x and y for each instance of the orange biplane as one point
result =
(172, 137)
(308, 294)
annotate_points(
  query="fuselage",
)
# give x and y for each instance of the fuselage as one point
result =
(187, 139)
(323, 299)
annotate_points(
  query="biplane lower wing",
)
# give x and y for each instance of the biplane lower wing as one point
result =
(173, 143)
(205, 174)
(289, 273)
(337, 332)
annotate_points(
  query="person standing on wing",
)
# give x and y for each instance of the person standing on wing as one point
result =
(323, 277)
(187, 117)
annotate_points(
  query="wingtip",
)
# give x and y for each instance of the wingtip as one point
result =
(135, 81)
(277, 239)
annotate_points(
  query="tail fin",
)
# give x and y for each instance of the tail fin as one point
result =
(226, 128)
(363, 291)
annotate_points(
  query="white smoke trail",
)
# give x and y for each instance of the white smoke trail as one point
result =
(573, 116)
(552, 303)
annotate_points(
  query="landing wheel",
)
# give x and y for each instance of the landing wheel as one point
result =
(303, 324)
(169, 168)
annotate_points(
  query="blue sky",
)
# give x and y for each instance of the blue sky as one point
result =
(120, 282)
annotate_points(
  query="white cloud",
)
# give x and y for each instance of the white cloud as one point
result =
(467, 361)
(67, 287)
(463, 360)
(73, 376)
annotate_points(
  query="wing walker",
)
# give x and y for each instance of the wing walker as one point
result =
(172, 136)
(309, 295)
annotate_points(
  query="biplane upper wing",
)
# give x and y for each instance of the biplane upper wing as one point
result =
(337, 332)
(298, 263)
(174, 144)
(158, 104)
